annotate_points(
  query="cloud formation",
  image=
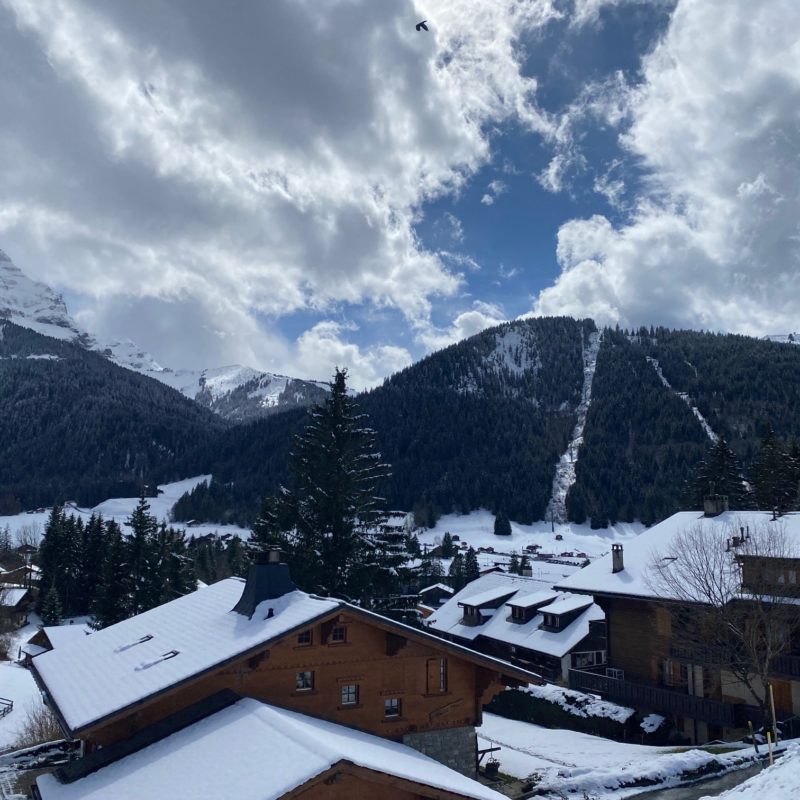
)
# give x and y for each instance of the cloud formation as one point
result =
(712, 241)
(247, 162)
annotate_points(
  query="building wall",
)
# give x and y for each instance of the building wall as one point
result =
(363, 659)
(456, 747)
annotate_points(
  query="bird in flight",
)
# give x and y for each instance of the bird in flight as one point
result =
(421, 26)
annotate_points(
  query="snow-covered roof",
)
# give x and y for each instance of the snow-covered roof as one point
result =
(639, 554)
(443, 586)
(11, 596)
(254, 751)
(488, 596)
(59, 635)
(565, 604)
(524, 599)
(447, 619)
(132, 660)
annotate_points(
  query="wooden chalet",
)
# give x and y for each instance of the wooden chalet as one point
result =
(649, 665)
(228, 746)
(265, 639)
(16, 603)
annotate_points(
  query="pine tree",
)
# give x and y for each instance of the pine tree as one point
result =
(6, 542)
(143, 558)
(113, 598)
(456, 572)
(513, 564)
(471, 568)
(50, 608)
(177, 576)
(721, 470)
(446, 548)
(524, 564)
(333, 505)
(773, 475)
(502, 526)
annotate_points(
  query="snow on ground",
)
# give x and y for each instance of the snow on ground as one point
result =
(580, 704)
(568, 762)
(121, 508)
(565, 469)
(477, 530)
(17, 684)
(779, 782)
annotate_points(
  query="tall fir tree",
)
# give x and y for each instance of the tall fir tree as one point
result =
(333, 506)
(50, 608)
(112, 601)
(774, 474)
(456, 572)
(471, 568)
(143, 558)
(502, 525)
(721, 472)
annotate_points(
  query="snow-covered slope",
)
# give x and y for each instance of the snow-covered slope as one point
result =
(785, 338)
(234, 392)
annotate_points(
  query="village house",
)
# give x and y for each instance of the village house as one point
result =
(228, 746)
(522, 620)
(16, 603)
(49, 637)
(266, 640)
(432, 597)
(650, 666)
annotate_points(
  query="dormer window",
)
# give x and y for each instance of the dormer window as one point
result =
(551, 622)
(339, 634)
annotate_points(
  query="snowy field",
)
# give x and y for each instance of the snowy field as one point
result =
(120, 509)
(572, 763)
(17, 684)
(477, 530)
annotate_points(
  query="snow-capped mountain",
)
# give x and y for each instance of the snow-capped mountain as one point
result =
(234, 392)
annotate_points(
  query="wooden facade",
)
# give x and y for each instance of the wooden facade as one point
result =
(349, 669)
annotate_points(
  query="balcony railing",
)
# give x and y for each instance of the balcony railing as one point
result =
(787, 666)
(655, 698)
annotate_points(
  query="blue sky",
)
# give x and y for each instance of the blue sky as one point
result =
(303, 184)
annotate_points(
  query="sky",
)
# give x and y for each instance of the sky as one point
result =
(295, 185)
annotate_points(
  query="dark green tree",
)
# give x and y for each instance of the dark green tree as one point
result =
(144, 554)
(112, 601)
(471, 568)
(502, 526)
(524, 564)
(456, 572)
(773, 475)
(513, 564)
(333, 505)
(50, 608)
(720, 472)
(447, 548)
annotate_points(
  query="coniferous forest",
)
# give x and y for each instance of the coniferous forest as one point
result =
(481, 423)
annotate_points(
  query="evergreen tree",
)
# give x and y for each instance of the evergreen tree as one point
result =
(113, 598)
(773, 475)
(412, 546)
(143, 558)
(6, 543)
(524, 564)
(456, 572)
(177, 576)
(471, 568)
(447, 548)
(720, 469)
(50, 608)
(335, 512)
(502, 526)
(513, 564)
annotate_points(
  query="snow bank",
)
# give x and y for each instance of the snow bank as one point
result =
(779, 781)
(580, 704)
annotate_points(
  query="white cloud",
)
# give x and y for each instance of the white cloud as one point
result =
(496, 188)
(322, 348)
(190, 151)
(467, 323)
(713, 239)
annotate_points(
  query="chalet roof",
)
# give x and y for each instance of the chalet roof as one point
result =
(523, 599)
(640, 553)
(447, 619)
(567, 604)
(254, 751)
(442, 586)
(486, 597)
(131, 661)
(59, 635)
(172, 643)
(12, 596)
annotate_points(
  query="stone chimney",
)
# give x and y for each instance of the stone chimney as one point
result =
(267, 578)
(617, 560)
(714, 504)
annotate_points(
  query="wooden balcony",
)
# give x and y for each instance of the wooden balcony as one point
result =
(654, 698)
(787, 666)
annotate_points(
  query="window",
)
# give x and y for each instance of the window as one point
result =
(304, 681)
(437, 675)
(391, 707)
(339, 634)
(304, 637)
(349, 694)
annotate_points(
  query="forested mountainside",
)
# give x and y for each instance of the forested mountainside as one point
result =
(643, 439)
(480, 423)
(75, 426)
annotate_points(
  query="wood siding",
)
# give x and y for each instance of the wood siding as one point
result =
(382, 664)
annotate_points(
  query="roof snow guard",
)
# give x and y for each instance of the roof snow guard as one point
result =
(267, 578)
